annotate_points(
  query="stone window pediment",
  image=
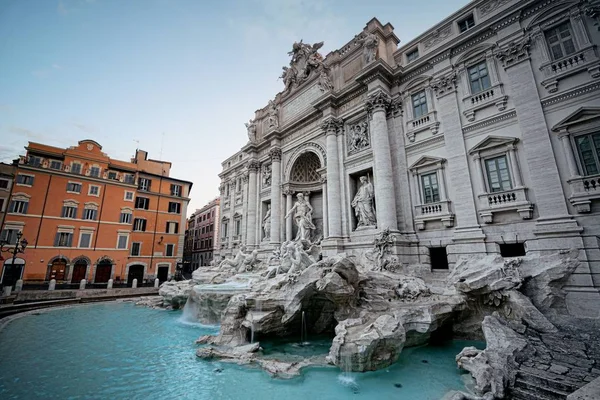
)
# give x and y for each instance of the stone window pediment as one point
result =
(427, 163)
(576, 120)
(492, 143)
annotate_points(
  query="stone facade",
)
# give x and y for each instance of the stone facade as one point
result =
(202, 234)
(480, 136)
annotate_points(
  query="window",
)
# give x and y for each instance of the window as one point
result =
(144, 184)
(76, 168)
(74, 187)
(172, 227)
(419, 101)
(94, 190)
(9, 235)
(130, 179)
(3, 183)
(18, 206)
(136, 248)
(54, 164)
(25, 180)
(512, 249)
(139, 224)
(466, 24)
(122, 241)
(176, 190)
(498, 174)
(142, 202)
(412, 55)
(238, 227)
(174, 207)
(438, 257)
(128, 196)
(588, 147)
(69, 212)
(125, 217)
(95, 172)
(90, 214)
(431, 192)
(63, 239)
(225, 230)
(227, 190)
(1, 205)
(85, 238)
(170, 249)
(479, 78)
(560, 41)
(203, 232)
(34, 161)
(112, 175)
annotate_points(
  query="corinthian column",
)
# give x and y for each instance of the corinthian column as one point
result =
(385, 201)
(275, 154)
(288, 206)
(253, 167)
(332, 127)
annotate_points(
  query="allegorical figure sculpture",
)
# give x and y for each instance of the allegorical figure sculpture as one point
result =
(272, 118)
(369, 42)
(251, 127)
(266, 223)
(363, 204)
(303, 216)
(266, 176)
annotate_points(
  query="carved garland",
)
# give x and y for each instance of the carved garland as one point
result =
(515, 52)
(444, 84)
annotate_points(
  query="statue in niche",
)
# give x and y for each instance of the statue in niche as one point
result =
(363, 204)
(303, 217)
(359, 137)
(266, 176)
(251, 127)
(266, 223)
(272, 118)
(369, 42)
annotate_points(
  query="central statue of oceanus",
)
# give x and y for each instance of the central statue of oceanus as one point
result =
(303, 217)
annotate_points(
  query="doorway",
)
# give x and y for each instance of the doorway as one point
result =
(103, 271)
(135, 272)
(12, 273)
(57, 270)
(162, 273)
(79, 271)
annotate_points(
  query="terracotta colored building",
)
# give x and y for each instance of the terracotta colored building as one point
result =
(87, 216)
(203, 228)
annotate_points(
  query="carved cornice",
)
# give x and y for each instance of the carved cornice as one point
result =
(491, 6)
(253, 166)
(433, 141)
(580, 91)
(491, 121)
(378, 101)
(275, 154)
(444, 84)
(332, 126)
(515, 52)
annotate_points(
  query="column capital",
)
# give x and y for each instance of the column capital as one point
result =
(275, 154)
(287, 190)
(245, 177)
(378, 101)
(395, 108)
(444, 84)
(332, 125)
(514, 52)
(253, 166)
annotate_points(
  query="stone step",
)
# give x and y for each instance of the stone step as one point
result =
(545, 379)
(525, 394)
(542, 390)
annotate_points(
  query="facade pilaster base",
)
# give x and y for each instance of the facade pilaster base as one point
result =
(558, 226)
(466, 242)
(332, 246)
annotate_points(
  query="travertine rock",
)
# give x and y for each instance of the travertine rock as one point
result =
(175, 294)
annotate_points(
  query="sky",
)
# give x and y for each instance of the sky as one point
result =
(177, 78)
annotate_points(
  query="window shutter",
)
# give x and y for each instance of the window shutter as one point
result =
(69, 240)
(25, 206)
(167, 228)
(176, 227)
(144, 225)
(57, 239)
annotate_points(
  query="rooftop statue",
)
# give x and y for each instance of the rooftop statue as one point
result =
(251, 127)
(369, 42)
(305, 60)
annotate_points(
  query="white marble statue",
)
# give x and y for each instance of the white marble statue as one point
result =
(363, 204)
(242, 261)
(251, 127)
(266, 223)
(293, 259)
(302, 211)
(266, 176)
(272, 119)
(369, 42)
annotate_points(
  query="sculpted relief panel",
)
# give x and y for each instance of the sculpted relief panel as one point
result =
(358, 137)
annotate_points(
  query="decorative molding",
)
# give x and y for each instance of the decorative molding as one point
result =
(425, 143)
(358, 138)
(253, 166)
(332, 126)
(515, 52)
(491, 6)
(395, 108)
(444, 84)
(310, 146)
(378, 101)
(490, 121)
(593, 87)
(412, 74)
(437, 36)
(275, 154)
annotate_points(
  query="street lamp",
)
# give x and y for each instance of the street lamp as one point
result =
(5, 247)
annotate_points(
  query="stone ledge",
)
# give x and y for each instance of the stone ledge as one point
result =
(591, 391)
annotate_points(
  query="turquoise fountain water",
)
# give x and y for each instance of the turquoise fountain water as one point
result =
(119, 351)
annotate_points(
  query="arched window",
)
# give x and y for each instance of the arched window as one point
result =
(305, 168)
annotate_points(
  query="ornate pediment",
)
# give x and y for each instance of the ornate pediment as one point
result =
(583, 115)
(491, 142)
(427, 161)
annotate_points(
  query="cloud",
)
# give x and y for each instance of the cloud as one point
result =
(27, 133)
(83, 127)
(9, 153)
(56, 66)
(61, 8)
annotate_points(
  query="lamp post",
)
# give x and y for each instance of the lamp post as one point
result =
(5, 247)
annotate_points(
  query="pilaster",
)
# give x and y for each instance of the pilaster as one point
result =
(253, 168)
(331, 127)
(275, 154)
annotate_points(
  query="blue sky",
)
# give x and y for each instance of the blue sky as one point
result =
(181, 75)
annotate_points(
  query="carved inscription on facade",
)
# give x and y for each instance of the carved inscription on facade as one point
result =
(300, 132)
(300, 104)
(352, 103)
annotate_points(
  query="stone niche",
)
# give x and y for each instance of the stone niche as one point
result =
(316, 201)
(263, 213)
(354, 181)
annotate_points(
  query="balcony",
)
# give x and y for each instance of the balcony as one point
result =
(583, 60)
(509, 200)
(439, 211)
(583, 191)
(422, 123)
(493, 96)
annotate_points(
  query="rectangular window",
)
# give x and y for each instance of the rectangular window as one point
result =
(139, 224)
(69, 212)
(85, 239)
(76, 168)
(174, 207)
(94, 190)
(1, 205)
(170, 249)
(136, 248)
(130, 179)
(3, 183)
(142, 203)
(498, 175)
(225, 230)
(128, 196)
(10, 236)
(25, 179)
(438, 257)
(238, 227)
(588, 147)
(63, 239)
(413, 55)
(560, 41)
(431, 193)
(34, 161)
(54, 164)
(479, 78)
(18, 206)
(89, 214)
(419, 101)
(172, 227)
(466, 24)
(125, 218)
(203, 232)
(176, 190)
(512, 249)
(144, 184)
(122, 242)
(74, 187)
(95, 172)
(112, 175)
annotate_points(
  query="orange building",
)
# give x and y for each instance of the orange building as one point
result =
(87, 216)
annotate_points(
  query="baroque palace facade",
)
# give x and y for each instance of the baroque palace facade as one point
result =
(480, 136)
(88, 216)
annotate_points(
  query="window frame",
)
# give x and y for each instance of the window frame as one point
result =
(79, 168)
(85, 232)
(143, 224)
(79, 184)
(144, 206)
(139, 249)
(129, 218)
(488, 173)
(129, 192)
(412, 55)
(94, 168)
(144, 184)
(421, 96)
(57, 238)
(466, 20)
(94, 214)
(119, 236)
(28, 177)
(13, 203)
(90, 187)
(60, 165)
(595, 152)
(424, 196)
(177, 207)
(549, 45)
(172, 247)
(479, 77)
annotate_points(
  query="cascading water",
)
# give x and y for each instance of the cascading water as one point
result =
(303, 332)
(190, 312)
